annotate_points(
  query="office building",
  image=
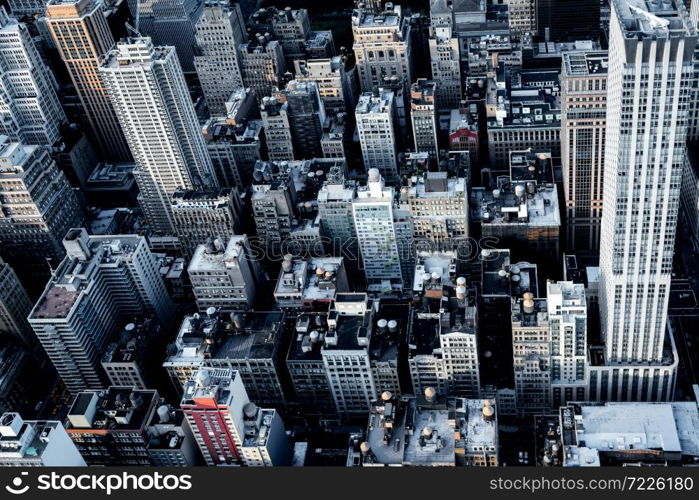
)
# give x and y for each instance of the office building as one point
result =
(30, 111)
(335, 200)
(14, 306)
(570, 20)
(524, 217)
(532, 355)
(523, 111)
(170, 23)
(445, 57)
(262, 65)
(80, 32)
(310, 284)
(171, 443)
(372, 212)
(443, 343)
(429, 430)
(567, 312)
(438, 206)
(200, 215)
(642, 178)
(521, 15)
(109, 427)
(118, 274)
(376, 126)
(423, 116)
(645, 434)
(307, 118)
(163, 132)
(224, 277)
(216, 400)
(382, 46)
(39, 208)
(689, 199)
(35, 443)
(335, 83)
(277, 129)
(583, 128)
(219, 32)
(304, 363)
(125, 359)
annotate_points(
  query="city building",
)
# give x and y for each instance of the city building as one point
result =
(642, 180)
(235, 140)
(376, 126)
(200, 215)
(38, 209)
(103, 281)
(689, 196)
(248, 342)
(361, 350)
(171, 443)
(275, 121)
(80, 32)
(335, 200)
(170, 23)
(35, 443)
(30, 110)
(334, 82)
(374, 222)
(629, 434)
(445, 57)
(423, 116)
(163, 132)
(14, 306)
(307, 118)
(430, 430)
(522, 16)
(583, 128)
(569, 20)
(307, 371)
(438, 206)
(124, 360)
(262, 65)
(524, 217)
(290, 27)
(464, 131)
(567, 315)
(224, 275)
(523, 111)
(219, 32)
(443, 341)
(216, 404)
(532, 348)
(109, 428)
(310, 284)
(382, 46)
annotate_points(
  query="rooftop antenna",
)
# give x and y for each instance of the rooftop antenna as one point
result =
(133, 30)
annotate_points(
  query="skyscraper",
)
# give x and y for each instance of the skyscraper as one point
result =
(38, 209)
(424, 116)
(228, 427)
(150, 96)
(444, 56)
(277, 129)
(306, 118)
(375, 116)
(219, 32)
(583, 126)
(650, 75)
(102, 281)
(381, 46)
(14, 306)
(29, 108)
(374, 222)
(170, 23)
(79, 30)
